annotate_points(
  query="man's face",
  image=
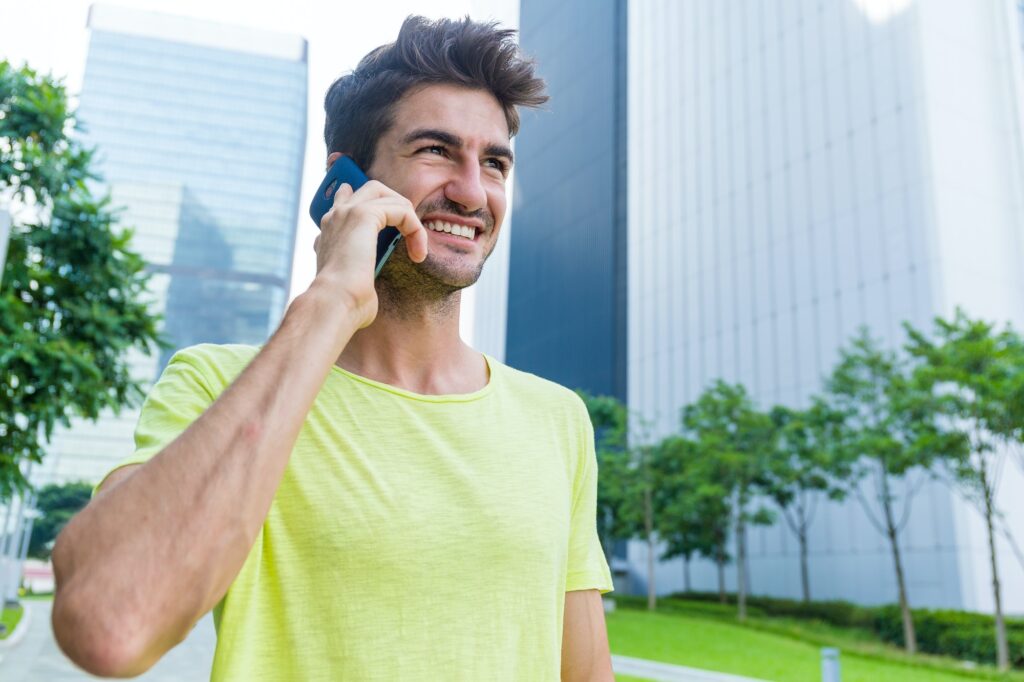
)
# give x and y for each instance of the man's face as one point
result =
(448, 153)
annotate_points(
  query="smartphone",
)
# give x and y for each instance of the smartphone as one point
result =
(343, 171)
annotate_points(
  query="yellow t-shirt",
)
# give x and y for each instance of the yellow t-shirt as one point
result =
(413, 537)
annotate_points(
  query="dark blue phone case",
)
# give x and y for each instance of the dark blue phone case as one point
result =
(345, 170)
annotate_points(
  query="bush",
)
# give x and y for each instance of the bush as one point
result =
(960, 634)
(841, 613)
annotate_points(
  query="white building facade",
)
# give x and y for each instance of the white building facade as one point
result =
(798, 169)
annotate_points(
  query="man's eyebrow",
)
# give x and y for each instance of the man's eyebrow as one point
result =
(500, 150)
(455, 141)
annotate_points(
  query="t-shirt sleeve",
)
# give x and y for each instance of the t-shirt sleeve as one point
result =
(178, 398)
(587, 569)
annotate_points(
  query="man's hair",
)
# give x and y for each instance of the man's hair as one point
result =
(462, 52)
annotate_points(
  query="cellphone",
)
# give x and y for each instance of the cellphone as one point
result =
(345, 170)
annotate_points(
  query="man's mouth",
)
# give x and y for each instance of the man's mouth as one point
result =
(466, 232)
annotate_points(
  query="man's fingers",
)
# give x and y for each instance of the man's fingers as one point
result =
(400, 215)
(394, 208)
(375, 189)
(342, 193)
(371, 189)
(416, 244)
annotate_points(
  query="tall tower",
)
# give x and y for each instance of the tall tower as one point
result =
(792, 171)
(567, 269)
(200, 132)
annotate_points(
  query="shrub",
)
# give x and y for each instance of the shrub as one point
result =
(960, 634)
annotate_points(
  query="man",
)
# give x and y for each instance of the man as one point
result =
(365, 497)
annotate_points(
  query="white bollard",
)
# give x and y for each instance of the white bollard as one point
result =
(829, 665)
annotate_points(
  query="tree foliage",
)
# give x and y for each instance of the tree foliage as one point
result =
(611, 423)
(56, 505)
(695, 518)
(804, 468)
(72, 291)
(630, 493)
(976, 376)
(892, 433)
(886, 423)
(735, 442)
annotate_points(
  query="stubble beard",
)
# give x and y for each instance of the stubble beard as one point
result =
(406, 289)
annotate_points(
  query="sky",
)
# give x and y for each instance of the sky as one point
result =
(51, 36)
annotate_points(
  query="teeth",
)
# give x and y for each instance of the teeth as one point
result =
(460, 230)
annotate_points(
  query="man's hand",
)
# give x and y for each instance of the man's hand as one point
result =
(585, 655)
(346, 249)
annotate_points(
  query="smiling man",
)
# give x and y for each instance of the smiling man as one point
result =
(365, 497)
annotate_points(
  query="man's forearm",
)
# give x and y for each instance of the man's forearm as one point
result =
(149, 557)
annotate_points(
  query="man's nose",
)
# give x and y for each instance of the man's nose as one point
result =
(466, 188)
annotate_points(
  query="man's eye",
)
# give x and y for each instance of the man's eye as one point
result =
(499, 164)
(434, 148)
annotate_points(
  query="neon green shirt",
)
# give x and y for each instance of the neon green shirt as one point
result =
(413, 537)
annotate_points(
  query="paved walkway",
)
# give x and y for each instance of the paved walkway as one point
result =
(663, 672)
(35, 656)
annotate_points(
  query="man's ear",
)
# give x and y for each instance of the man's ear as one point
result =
(332, 157)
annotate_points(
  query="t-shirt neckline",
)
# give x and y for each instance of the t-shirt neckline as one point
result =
(424, 397)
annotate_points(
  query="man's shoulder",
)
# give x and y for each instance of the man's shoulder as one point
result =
(538, 388)
(223, 355)
(216, 364)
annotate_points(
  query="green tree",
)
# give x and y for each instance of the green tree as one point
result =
(610, 420)
(71, 292)
(694, 520)
(888, 429)
(977, 373)
(628, 489)
(642, 495)
(803, 468)
(56, 505)
(735, 442)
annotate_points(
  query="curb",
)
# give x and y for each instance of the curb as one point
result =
(15, 637)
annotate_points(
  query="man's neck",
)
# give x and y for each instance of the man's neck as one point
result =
(417, 349)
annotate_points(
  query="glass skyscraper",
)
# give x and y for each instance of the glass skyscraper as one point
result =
(200, 132)
(572, 148)
(729, 190)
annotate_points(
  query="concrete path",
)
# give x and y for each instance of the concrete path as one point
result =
(37, 658)
(663, 672)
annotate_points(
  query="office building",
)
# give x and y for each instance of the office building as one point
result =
(729, 190)
(200, 133)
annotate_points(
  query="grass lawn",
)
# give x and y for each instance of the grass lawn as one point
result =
(10, 618)
(713, 644)
(42, 596)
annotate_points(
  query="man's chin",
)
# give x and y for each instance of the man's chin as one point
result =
(433, 271)
(456, 279)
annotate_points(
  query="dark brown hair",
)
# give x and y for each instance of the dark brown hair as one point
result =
(455, 51)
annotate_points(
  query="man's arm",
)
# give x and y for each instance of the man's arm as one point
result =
(585, 655)
(162, 542)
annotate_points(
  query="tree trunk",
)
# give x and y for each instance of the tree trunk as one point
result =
(652, 602)
(909, 638)
(720, 561)
(741, 566)
(1002, 649)
(805, 581)
(686, 573)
